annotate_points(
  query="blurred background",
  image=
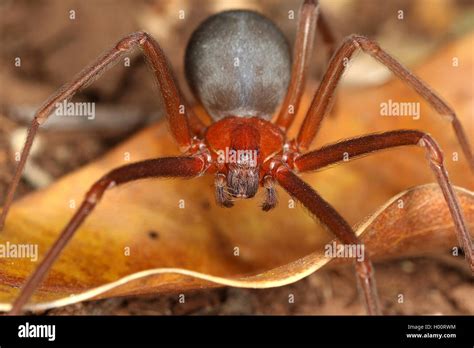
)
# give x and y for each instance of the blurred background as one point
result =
(55, 39)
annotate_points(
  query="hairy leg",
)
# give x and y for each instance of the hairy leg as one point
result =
(176, 109)
(322, 100)
(337, 225)
(162, 167)
(356, 147)
(309, 20)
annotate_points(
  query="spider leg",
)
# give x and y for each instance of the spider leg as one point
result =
(356, 147)
(186, 167)
(336, 223)
(176, 111)
(321, 103)
(310, 18)
(271, 199)
(223, 197)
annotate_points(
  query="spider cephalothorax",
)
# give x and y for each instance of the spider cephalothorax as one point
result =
(241, 148)
(238, 66)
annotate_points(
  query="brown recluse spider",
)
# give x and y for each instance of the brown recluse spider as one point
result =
(238, 65)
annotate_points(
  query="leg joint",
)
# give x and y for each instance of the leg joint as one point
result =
(132, 40)
(434, 152)
(364, 43)
(364, 268)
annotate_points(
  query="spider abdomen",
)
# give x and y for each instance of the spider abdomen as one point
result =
(238, 63)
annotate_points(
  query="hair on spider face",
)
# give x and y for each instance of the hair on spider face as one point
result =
(243, 180)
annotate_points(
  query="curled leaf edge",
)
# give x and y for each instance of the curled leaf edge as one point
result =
(311, 263)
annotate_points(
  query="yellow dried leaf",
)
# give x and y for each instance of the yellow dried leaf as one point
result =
(140, 239)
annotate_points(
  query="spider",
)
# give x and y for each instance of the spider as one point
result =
(239, 67)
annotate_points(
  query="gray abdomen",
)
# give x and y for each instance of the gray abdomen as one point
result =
(238, 63)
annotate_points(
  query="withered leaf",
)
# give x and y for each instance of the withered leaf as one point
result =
(168, 235)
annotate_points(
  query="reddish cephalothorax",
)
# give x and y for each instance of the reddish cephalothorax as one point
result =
(241, 149)
(238, 65)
